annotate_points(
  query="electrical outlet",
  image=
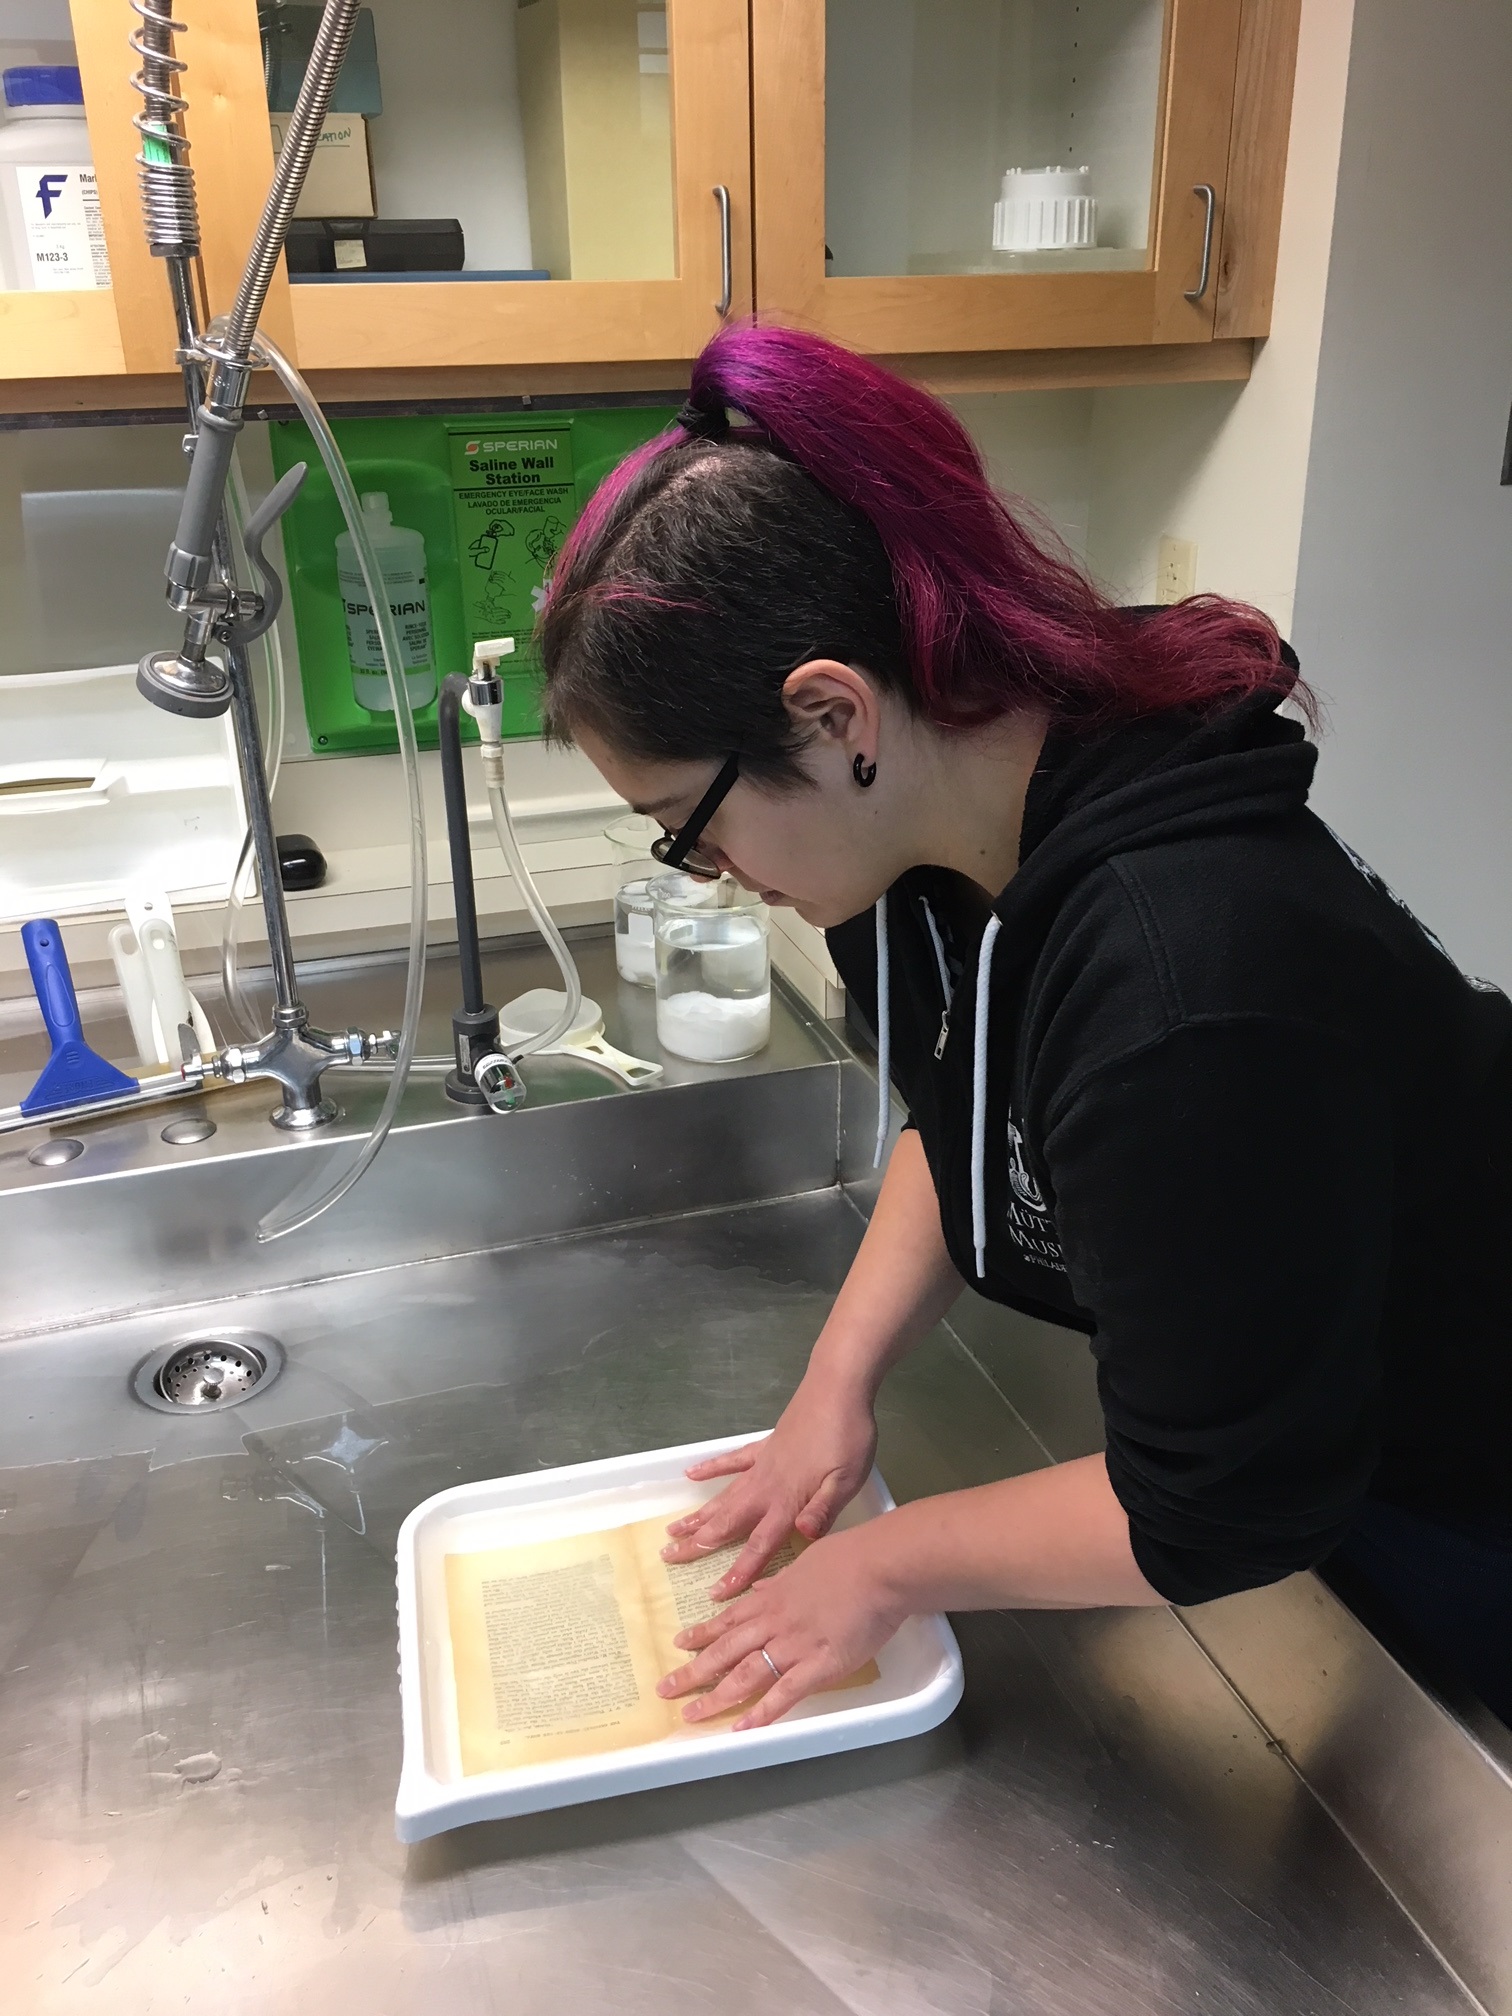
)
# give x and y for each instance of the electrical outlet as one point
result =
(1175, 569)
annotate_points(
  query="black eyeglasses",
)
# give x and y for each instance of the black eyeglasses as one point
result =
(681, 849)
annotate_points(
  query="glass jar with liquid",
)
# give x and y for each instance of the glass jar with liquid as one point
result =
(713, 970)
(630, 841)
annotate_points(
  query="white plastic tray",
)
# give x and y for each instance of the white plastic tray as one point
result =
(920, 1666)
(158, 797)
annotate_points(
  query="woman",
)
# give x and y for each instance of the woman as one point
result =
(1182, 1074)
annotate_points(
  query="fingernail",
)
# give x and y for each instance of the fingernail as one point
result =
(681, 1641)
(744, 1722)
(693, 1711)
(664, 1687)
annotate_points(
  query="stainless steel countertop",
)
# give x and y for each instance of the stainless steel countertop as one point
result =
(200, 1731)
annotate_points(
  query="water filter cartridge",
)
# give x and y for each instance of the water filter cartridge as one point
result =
(401, 561)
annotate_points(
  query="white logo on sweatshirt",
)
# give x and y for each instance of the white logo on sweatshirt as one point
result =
(1029, 1222)
(1024, 1186)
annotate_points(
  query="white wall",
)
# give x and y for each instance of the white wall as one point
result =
(1037, 447)
(449, 143)
(1225, 465)
(85, 518)
(1404, 593)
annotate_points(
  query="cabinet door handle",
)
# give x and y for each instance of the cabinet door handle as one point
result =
(1209, 196)
(726, 253)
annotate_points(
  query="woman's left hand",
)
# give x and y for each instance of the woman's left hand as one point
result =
(818, 1620)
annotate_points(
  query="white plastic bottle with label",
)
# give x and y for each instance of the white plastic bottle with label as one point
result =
(401, 560)
(51, 236)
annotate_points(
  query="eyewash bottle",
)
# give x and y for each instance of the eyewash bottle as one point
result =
(401, 561)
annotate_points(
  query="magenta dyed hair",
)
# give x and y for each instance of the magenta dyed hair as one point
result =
(984, 617)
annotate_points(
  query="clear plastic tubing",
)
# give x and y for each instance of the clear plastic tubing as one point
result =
(545, 923)
(309, 1199)
(238, 1007)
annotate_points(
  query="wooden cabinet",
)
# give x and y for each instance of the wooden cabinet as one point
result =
(614, 135)
(602, 112)
(126, 328)
(879, 127)
(860, 143)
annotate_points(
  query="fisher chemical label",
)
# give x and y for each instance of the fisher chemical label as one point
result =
(64, 235)
(515, 498)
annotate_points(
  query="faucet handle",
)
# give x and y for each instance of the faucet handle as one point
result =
(487, 652)
(256, 529)
(498, 1079)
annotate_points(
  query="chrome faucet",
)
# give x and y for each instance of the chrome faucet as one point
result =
(219, 615)
(296, 1055)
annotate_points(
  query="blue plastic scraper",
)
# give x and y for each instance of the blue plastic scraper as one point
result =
(73, 1073)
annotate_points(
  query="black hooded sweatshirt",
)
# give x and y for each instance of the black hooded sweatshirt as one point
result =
(1240, 1119)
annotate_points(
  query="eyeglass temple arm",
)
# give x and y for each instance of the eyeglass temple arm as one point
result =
(690, 832)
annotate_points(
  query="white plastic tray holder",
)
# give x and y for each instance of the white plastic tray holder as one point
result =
(155, 798)
(920, 1666)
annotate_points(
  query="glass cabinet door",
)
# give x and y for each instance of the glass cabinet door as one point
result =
(991, 174)
(982, 136)
(518, 180)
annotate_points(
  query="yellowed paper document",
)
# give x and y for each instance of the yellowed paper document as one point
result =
(557, 1647)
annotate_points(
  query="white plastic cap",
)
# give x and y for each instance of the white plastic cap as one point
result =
(1044, 210)
(375, 505)
(489, 650)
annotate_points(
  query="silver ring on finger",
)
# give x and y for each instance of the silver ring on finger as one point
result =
(776, 1669)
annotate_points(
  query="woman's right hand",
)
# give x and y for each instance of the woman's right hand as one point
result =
(820, 1453)
(800, 1477)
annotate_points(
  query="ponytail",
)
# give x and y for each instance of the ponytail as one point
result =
(692, 572)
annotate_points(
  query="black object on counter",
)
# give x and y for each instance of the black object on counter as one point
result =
(475, 1026)
(301, 865)
(375, 245)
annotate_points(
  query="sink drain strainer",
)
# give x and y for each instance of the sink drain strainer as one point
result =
(199, 1374)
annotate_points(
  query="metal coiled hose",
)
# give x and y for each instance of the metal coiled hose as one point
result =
(166, 180)
(326, 56)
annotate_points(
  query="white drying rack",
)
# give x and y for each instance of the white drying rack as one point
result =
(99, 793)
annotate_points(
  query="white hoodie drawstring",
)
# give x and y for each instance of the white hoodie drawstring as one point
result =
(884, 1036)
(939, 950)
(979, 1096)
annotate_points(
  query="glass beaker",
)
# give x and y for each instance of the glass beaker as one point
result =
(630, 842)
(634, 939)
(634, 919)
(634, 933)
(713, 969)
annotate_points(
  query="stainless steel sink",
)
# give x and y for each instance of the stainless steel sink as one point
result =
(199, 1711)
(139, 1221)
